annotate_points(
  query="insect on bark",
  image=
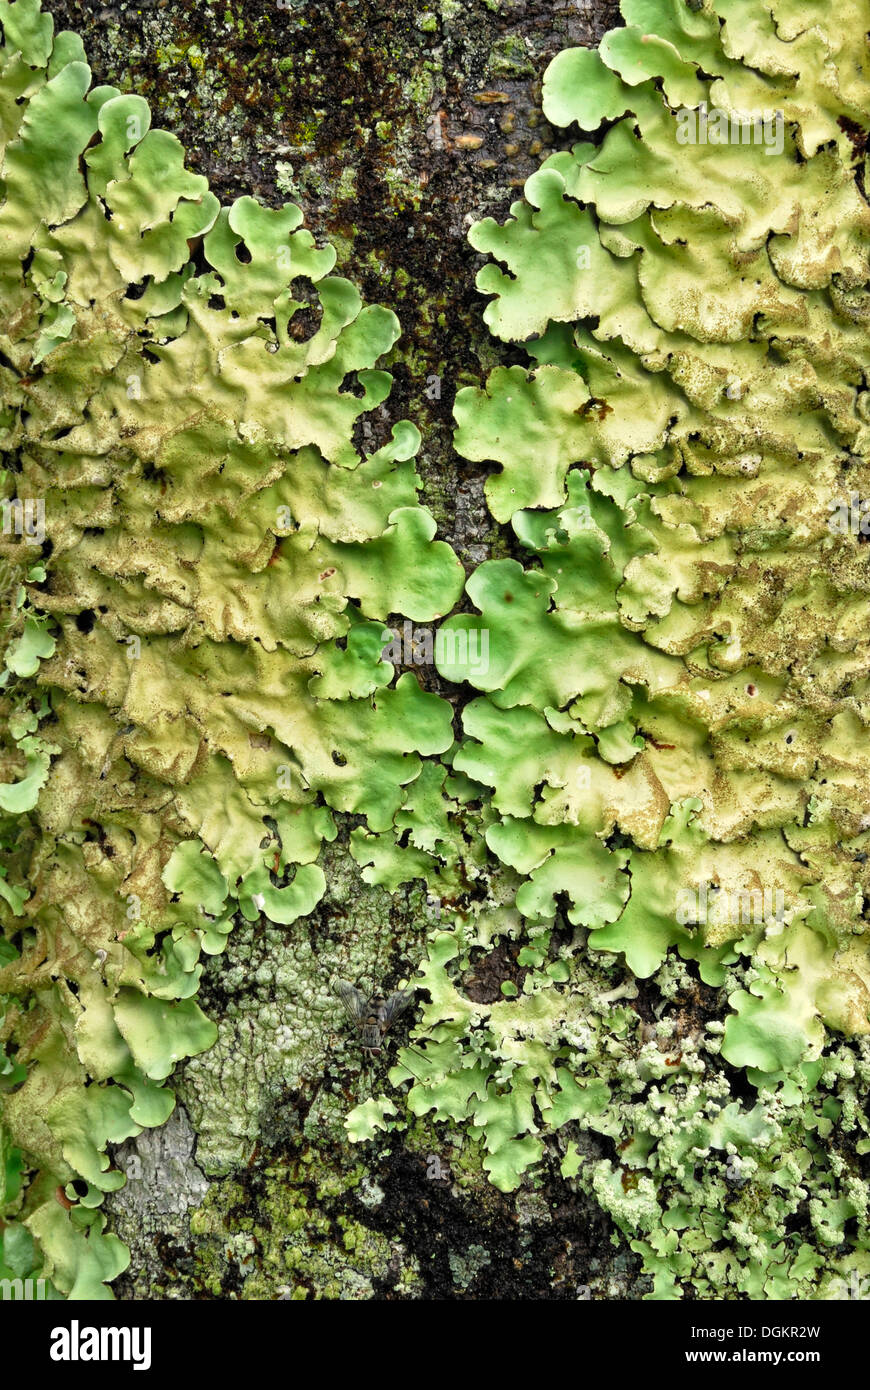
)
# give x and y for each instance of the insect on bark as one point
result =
(372, 1018)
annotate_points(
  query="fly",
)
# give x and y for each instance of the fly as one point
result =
(372, 1018)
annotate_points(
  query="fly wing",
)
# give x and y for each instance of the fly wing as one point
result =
(356, 1006)
(395, 1005)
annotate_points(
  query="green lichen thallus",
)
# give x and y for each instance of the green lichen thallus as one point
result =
(372, 1018)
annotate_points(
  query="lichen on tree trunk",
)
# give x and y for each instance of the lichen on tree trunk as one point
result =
(394, 130)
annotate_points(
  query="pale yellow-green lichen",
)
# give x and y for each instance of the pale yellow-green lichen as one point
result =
(182, 388)
(673, 700)
(672, 714)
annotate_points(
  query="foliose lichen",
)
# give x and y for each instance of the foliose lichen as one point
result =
(644, 850)
(211, 536)
(669, 744)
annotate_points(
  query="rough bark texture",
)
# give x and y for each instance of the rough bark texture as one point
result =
(394, 128)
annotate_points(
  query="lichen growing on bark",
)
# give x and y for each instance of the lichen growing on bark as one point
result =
(655, 685)
(182, 388)
(682, 663)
